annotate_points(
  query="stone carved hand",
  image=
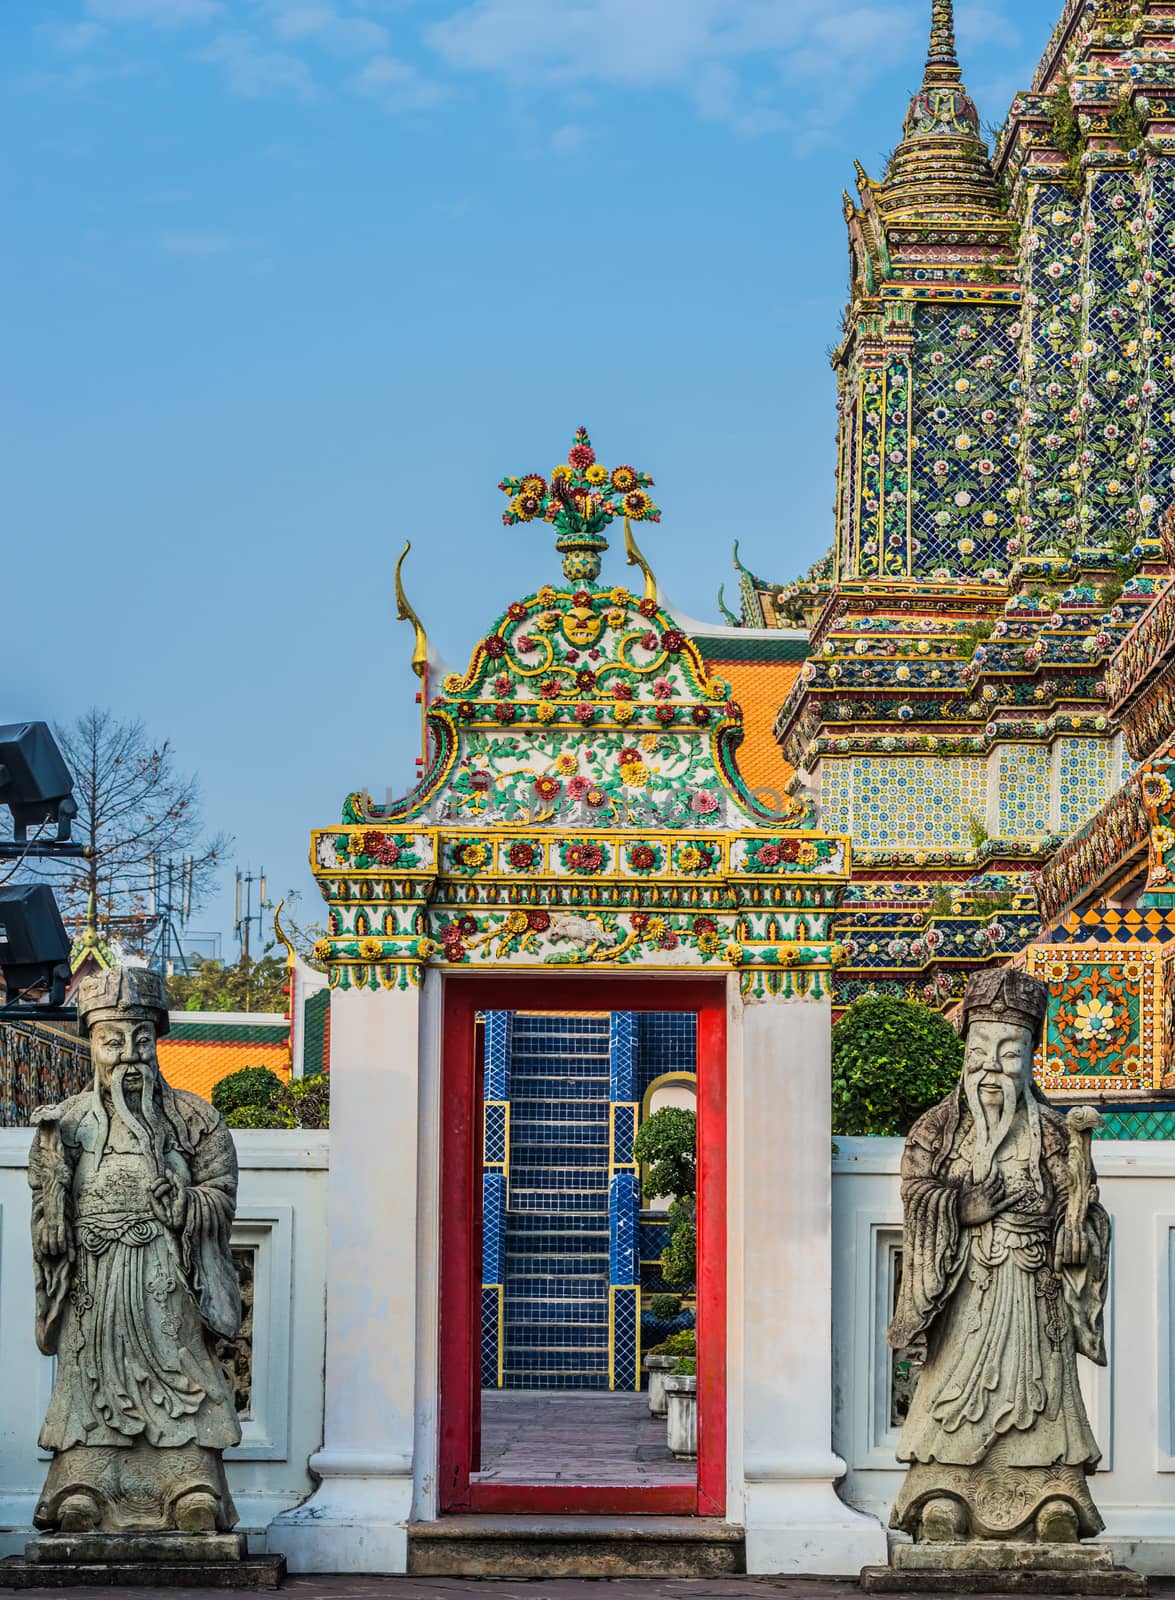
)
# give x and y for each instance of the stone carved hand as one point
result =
(169, 1201)
(980, 1202)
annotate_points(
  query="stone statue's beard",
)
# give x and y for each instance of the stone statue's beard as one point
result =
(990, 1131)
(145, 1124)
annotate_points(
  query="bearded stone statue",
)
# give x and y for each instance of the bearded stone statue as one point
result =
(1005, 1260)
(134, 1189)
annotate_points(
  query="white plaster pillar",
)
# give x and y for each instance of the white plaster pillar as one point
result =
(795, 1520)
(356, 1520)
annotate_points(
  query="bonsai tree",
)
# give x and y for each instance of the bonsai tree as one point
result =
(667, 1145)
(891, 1061)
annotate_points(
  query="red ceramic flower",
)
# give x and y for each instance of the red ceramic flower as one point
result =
(578, 787)
(454, 950)
(495, 647)
(734, 711)
(704, 803)
(572, 655)
(480, 781)
(584, 712)
(517, 611)
(581, 456)
(668, 940)
(502, 683)
(505, 711)
(639, 920)
(705, 925)
(538, 921)
(595, 797)
(770, 855)
(648, 641)
(701, 715)
(648, 608)
(642, 858)
(665, 714)
(673, 639)
(546, 787)
(662, 688)
(549, 688)
(525, 643)
(585, 679)
(622, 691)
(380, 848)
(582, 597)
(521, 855)
(467, 711)
(585, 857)
(467, 926)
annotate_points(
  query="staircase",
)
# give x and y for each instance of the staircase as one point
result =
(556, 1278)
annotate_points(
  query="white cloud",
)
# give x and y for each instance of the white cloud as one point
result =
(570, 139)
(399, 86)
(196, 244)
(252, 71)
(75, 37)
(323, 24)
(159, 13)
(733, 58)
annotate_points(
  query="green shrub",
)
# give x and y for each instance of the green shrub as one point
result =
(684, 1343)
(679, 1259)
(254, 1086)
(687, 1367)
(891, 1061)
(274, 1116)
(667, 1145)
(665, 1306)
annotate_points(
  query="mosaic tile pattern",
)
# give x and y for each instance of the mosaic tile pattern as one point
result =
(1102, 1029)
(622, 1036)
(1084, 779)
(625, 1366)
(493, 1230)
(624, 1123)
(491, 1334)
(1023, 776)
(917, 802)
(623, 1218)
(836, 796)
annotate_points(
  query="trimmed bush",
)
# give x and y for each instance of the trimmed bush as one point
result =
(253, 1086)
(891, 1061)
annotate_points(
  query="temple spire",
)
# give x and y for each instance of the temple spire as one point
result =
(942, 61)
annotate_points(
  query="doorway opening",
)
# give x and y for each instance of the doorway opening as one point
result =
(553, 1246)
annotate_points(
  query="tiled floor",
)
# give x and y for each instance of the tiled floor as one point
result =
(560, 1437)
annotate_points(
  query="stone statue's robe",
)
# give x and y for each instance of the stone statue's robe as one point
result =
(132, 1309)
(997, 1419)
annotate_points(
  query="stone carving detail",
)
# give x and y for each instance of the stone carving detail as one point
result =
(1005, 1262)
(134, 1190)
(236, 1355)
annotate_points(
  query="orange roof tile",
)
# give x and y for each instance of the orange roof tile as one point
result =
(199, 1064)
(760, 687)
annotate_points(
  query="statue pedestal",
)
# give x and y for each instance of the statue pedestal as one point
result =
(141, 1561)
(992, 1566)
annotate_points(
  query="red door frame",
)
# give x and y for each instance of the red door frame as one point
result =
(460, 1272)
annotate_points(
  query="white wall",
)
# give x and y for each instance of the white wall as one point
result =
(281, 1211)
(1131, 1402)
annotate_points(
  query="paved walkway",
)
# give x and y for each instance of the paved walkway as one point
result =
(577, 1436)
(533, 1589)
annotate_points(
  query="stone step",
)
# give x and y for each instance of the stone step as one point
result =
(575, 1547)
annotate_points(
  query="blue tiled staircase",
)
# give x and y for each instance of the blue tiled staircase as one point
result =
(556, 1278)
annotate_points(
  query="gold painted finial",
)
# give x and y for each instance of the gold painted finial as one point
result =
(291, 953)
(636, 559)
(405, 613)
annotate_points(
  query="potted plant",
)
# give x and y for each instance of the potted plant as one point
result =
(661, 1360)
(681, 1393)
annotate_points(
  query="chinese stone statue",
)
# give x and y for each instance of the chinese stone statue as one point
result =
(1004, 1267)
(134, 1188)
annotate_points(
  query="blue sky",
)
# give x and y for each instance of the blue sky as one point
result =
(290, 281)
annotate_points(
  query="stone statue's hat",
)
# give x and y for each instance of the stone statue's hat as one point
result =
(1005, 994)
(123, 992)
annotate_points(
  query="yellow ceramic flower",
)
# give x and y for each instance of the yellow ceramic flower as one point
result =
(623, 710)
(691, 858)
(716, 689)
(548, 622)
(708, 943)
(734, 953)
(452, 683)
(474, 855)
(807, 854)
(1155, 789)
(566, 764)
(515, 922)
(355, 844)
(546, 595)
(635, 774)
(426, 949)
(620, 596)
(615, 617)
(654, 927)
(322, 951)
(561, 471)
(1162, 839)
(789, 956)
(1095, 1019)
(649, 741)
(519, 508)
(371, 949)
(545, 711)
(596, 473)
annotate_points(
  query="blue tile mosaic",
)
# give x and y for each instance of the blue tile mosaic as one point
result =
(499, 1027)
(623, 1219)
(622, 1054)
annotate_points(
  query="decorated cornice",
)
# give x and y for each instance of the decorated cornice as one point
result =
(1095, 854)
(583, 804)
